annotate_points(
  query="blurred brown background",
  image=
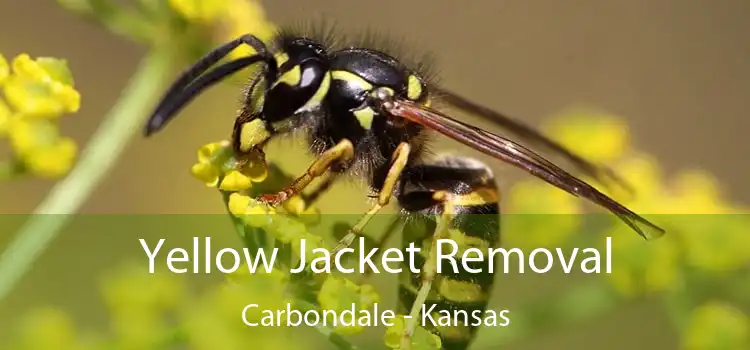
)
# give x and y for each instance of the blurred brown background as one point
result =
(676, 69)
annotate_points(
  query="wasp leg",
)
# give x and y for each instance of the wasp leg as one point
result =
(398, 163)
(456, 199)
(341, 152)
(314, 195)
(381, 242)
(429, 272)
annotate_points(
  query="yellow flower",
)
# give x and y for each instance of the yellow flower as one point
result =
(205, 172)
(311, 241)
(131, 288)
(717, 325)
(201, 11)
(245, 17)
(6, 115)
(709, 233)
(252, 212)
(215, 161)
(47, 328)
(54, 161)
(596, 136)
(235, 181)
(4, 69)
(208, 167)
(215, 319)
(421, 340)
(41, 148)
(641, 267)
(714, 237)
(41, 88)
(540, 215)
(340, 294)
(138, 302)
(238, 203)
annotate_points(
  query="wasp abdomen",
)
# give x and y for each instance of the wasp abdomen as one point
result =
(464, 189)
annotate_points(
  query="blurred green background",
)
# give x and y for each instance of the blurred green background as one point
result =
(676, 71)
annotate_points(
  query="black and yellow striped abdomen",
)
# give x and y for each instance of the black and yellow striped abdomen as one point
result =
(471, 197)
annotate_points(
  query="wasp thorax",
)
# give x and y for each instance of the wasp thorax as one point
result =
(302, 82)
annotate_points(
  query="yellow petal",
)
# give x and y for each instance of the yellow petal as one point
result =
(294, 205)
(235, 181)
(717, 325)
(40, 99)
(5, 117)
(28, 135)
(52, 162)
(598, 137)
(26, 67)
(287, 229)
(698, 193)
(207, 151)
(4, 69)
(238, 203)
(42, 87)
(247, 17)
(202, 11)
(205, 172)
(47, 328)
(642, 172)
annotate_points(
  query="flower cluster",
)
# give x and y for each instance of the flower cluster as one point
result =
(37, 92)
(155, 311)
(706, 244)
(707, 235)
(231, 18)
(217, 167)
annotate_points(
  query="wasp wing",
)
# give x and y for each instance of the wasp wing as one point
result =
(525, 132)
(519, 156)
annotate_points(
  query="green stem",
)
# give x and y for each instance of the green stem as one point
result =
(106, 145)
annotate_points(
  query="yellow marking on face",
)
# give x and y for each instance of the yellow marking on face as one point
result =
(252, 134)
(365, 117)
(351, 78)
(461, 291)
(291, 77)
(321, 93)
(281, 58)
(413, 88)
(428, 102)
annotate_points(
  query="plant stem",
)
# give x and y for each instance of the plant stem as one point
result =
(120, 125)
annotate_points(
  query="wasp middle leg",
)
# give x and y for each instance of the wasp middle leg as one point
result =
(454, 198)
(398, 163)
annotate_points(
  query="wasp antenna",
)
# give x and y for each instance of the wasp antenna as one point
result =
(190, 82)
(169, 108)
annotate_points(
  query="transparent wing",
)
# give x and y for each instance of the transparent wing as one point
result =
(513, 153)
(526, 133)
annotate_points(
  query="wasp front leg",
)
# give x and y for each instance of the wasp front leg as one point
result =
(342, 152)
(453, 199)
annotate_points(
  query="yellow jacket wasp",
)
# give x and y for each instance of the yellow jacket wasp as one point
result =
(366, 113)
